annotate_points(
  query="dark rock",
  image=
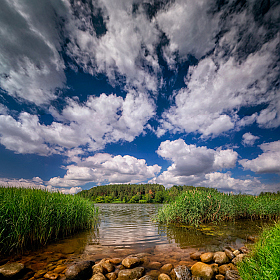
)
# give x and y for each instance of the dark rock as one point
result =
(232, 275)
(130, 274)
(225, 267)
(155, 265)
(9, 270)
(97, 268)
(244, 250)
(108, 267)
(195, 256)
(219, 277)
(238, 258)
(80, 270)
(51, 275)
(112, 276)
(182, 272)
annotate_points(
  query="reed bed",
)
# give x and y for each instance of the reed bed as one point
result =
(263, 261)
(33, 217)
(195, 207)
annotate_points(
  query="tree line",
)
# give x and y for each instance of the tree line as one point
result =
(133, 193)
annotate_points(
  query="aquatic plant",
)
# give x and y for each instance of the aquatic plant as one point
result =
(198, 206)
(263, 261)
(32, 217)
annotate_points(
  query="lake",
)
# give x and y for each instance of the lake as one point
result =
(126, 229)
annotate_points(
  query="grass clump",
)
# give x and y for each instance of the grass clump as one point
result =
(32, 217)
(263, 262)
(198, 206)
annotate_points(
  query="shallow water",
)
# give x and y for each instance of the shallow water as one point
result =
(126, 229)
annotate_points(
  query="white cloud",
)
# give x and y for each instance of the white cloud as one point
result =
(267, 162)
(190, 27)
(216, 90)
(31, 67)
(36, 182)
(96, 122)
(105, 168)
(188, 160)
(248, 139)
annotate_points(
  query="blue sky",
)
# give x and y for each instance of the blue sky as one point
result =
(169, 92)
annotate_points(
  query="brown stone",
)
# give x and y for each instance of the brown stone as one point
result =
(146, 277)
(203, 270)
(166, 268)
(215, 268)
(129, 274)
(229, 254)
(238, 258)
(244, 250)
(219, 277)
(108, 267)
(59, 269)
(98, 276)
(155, 265)
(163, 276)
(195, 256)
(220, 258)
(11, 269)
(207, 257)
(98, 268)
(40, 273)
(225, 267)
(79, 270)
(131, 261)
(236, 252)
(186, 263)
(115, 260)
(112, 276)
(182, 272)
(232, 275)
(153, 273)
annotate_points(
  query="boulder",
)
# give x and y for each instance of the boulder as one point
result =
(229, 254)
(108, 267)
(207, 257)
(238, 258)
(215, 268)
(202, 270)
(130, 274)
(163, 276)
(225, 267)
(131, 261)
(146, 277)
(80, 270)
(98, 276)
(220, 258)
(182, 272)
(166, 268)
(115, 261)
(219, 277)
(9, 270)
(153, 273)
(232, 275)
(97, 268)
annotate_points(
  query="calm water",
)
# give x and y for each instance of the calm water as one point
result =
(126, 229)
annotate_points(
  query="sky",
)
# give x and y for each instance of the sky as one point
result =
(179, 92)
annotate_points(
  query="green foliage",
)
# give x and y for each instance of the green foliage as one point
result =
(263, 262)
(32, 217)
(200, 205)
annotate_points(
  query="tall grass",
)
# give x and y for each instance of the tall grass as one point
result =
(263, 262)
(195, 207)
(32, 217)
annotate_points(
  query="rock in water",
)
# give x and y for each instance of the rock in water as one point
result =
(182, 272)
(129, 274)
(11, 269)
(80, 270)
(202, 270)
(207, 257)
(163, 276)
(131, 261)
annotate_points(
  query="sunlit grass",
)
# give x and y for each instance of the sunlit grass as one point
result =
(195, 207)
(32, 217)
(263, 262)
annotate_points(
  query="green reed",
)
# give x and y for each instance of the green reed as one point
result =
(263, 262)
(198, 206)
(32, 217)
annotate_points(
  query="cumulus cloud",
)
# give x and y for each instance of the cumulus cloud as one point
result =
(31, 67)
(248, 139)
(105, 168)
(267, 162)
(36, 182)
(96, 122)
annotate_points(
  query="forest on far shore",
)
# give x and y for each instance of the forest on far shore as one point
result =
(134, 193)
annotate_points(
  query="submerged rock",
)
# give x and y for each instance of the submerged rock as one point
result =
(207, 257)
(166, 268)
(146, 277)
(131, 261)
(130, 274)
(163, 276)
(9, 270)
(80, 270)
(195, 256)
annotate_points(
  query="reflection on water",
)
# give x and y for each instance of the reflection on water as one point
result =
(126, 229)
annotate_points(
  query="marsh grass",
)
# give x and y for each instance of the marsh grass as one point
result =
(33, 217)
(195, 207)
(263, 262)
